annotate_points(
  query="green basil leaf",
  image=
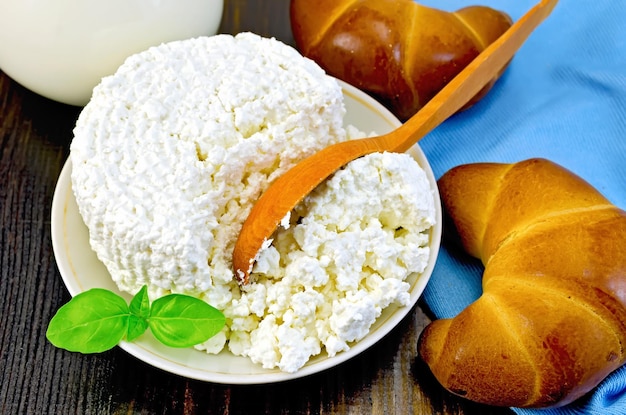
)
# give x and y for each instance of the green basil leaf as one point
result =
(92, 322)
(140, 304)
(136, 327)
(178, 320)
(139, 313)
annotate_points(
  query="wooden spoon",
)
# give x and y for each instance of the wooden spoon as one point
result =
(293, 186)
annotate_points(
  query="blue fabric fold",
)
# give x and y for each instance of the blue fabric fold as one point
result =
(562, 98)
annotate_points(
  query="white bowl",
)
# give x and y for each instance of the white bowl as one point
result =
(81, 270)
(62, 48)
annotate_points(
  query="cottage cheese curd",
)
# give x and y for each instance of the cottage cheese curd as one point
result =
(169, 156)
(344, 258)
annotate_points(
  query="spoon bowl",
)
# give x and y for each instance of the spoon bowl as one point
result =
(290, 188)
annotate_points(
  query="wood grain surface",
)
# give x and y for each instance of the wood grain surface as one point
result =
(37, 378)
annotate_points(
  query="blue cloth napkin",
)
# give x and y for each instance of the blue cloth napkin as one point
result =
(562, 98)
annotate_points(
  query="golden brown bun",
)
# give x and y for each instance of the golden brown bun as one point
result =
(399, 51)
(551, 322)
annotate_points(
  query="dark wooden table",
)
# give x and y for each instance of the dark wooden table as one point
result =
(37, 378)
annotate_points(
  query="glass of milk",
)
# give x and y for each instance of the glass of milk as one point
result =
(62, 48)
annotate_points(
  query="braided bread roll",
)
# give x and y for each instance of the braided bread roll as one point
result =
(399, 51)
(551, 322)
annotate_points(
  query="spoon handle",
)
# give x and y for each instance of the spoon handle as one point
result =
(468, 82)
(290, 188)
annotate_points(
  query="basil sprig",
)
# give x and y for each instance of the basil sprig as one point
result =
(97, 320)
